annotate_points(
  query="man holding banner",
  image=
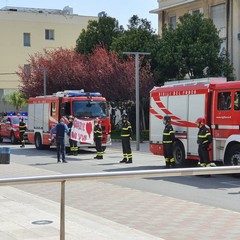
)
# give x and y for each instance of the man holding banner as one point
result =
(72, 143)
(98, 138)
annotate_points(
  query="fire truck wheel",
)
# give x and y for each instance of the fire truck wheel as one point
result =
(13, 138)
(38, 141)
(179, 154)
(233, 156)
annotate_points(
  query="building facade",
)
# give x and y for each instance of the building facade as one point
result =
(25, 31)
(224, 13)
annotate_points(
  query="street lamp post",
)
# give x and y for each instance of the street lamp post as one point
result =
(137, 93)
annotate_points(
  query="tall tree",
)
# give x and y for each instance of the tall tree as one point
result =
(16, 99)
(101, 71)
(62, 72)
(192, 49)
(116, 78)
(139, 37)
(99, 32)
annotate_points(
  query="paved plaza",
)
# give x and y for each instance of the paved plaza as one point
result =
(103, 210)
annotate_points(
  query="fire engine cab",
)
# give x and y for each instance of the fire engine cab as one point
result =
(44, 112)
(214, 99)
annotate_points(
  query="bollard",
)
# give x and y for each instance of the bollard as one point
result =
(4, 155)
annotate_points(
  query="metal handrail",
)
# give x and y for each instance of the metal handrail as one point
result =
(110, 175)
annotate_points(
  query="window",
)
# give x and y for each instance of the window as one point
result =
(237, 101)
(49, 34)
(26, 40)
(196, 11)
(224, 101)
(173, 21)
(53, 109)
(218, 15)
(86, 109)
(27, 69)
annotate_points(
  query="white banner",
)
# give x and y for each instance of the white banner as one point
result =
(82, 131)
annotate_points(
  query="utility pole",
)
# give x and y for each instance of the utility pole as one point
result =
(137, 54)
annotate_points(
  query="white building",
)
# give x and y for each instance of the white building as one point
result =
(25, 31)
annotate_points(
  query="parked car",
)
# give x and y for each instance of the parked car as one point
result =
(9, 128)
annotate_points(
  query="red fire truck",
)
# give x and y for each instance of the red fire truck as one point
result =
(9, 127)
(44, 112)
(214, 99)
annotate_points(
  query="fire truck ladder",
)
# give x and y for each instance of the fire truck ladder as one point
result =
(192, 82)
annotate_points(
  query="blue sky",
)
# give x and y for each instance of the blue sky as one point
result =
(122, 10)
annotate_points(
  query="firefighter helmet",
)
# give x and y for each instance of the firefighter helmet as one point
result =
(200, 120)
(71, 117)
(166, 119)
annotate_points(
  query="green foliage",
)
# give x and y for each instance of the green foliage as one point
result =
(139, 37)
(192, 49)
(15, 99)
(144, 136)
(98, 33)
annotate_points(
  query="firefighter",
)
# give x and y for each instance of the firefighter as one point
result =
(22, 130)
(168, 139)
(98, 138)
(126, 135)
(72, 143)
(204, 140)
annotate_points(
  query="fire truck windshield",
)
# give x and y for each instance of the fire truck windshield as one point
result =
(16, 120)
(90, 109)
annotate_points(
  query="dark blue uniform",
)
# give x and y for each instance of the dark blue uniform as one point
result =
(22, 130)
(168, 139)
(126, 135)
(204, 140)
(60, 130)
(98, 141)
(72, 143)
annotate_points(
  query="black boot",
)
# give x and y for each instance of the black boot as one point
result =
(167, 165)
(124, 160)
(129, 160)
(173, 165)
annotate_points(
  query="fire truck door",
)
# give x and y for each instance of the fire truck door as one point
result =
(197, 105)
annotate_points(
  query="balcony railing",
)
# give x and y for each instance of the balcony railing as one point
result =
(111, 175)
